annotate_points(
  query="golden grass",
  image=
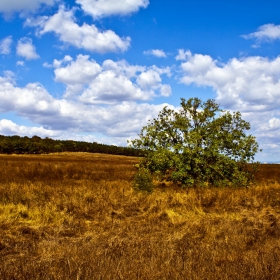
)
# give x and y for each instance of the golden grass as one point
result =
(76, 216)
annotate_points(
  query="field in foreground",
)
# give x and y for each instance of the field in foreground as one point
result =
(76, 216)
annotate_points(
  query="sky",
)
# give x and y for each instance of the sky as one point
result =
(98, 70)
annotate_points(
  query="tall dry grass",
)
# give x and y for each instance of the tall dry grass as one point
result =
(76, 216)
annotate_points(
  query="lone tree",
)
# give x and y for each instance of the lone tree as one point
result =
(198, 145)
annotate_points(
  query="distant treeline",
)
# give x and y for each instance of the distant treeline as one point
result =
(36, 145)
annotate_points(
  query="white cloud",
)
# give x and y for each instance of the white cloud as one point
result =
(87, 37)
(33, 97)
(122, 67)
(110, 82)
(272, 124)
(34, 103)
(10, 6)
(266, 32)
(5, 45)
(250, 85)
(58, 63)
(108, 88)
(247, 84)
(103, 8)
(76, 74)
(26, 49)
(165, 90)
(7, 127)
(157, 53)
(183, 55)
(20, 63)
(47, 65)
(196, 63)
(9, 76)
(149, 79)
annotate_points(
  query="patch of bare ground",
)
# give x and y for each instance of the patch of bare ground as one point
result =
(76, 216)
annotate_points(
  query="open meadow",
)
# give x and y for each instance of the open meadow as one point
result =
(76, 216)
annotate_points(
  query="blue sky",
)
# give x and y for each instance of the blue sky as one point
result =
(97, 70)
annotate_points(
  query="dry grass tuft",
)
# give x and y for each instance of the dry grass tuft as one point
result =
(76, 216)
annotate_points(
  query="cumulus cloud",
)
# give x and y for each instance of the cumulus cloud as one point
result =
(148, 79)
(266, 127)
(266, 32)
(165, 90)
(108, 88)
(87, 37)
(76, 74)
(8, 7)
(248, 84)
(5, 45)
(103, 8)
(32, 97)
(26, 49)
(274, 123)
(182, 54)
(34, 103)
(157, 53)
(20, 63)
(109, 82)
(7, 127)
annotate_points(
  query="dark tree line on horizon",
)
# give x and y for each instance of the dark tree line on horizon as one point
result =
(36, 145)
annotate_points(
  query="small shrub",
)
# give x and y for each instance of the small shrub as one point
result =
(143, 180)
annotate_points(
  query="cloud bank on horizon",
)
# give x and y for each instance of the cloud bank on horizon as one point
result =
(99, 70)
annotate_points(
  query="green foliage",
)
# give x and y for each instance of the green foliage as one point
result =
(198, 145)
(143, 180)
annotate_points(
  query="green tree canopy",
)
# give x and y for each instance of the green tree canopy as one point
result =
(198, 145)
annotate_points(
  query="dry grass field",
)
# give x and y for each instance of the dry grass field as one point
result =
(76, 216)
